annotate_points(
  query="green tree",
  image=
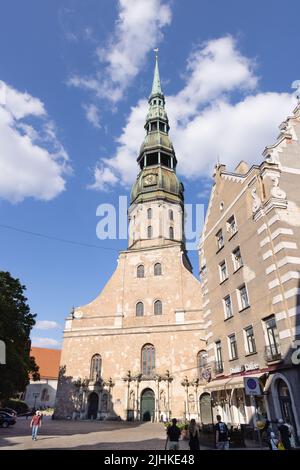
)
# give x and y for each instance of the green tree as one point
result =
(16, 322)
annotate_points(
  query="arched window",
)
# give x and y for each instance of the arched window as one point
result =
(171, 215)
(149, 231)
(148, 359)
(140, 272)
(171, 233)
(158, 307)
(157, 269)
(139, 309)
(45, 395)
(149, 213)
(95, 367)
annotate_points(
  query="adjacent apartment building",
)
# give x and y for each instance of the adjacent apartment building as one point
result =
(250, 277)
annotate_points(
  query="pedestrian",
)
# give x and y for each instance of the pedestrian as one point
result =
(284, 433)
(173, 433)
(266, 434)
(292, 434)
(194, 436)
(222, 438)
(273, 441)
(35, 424)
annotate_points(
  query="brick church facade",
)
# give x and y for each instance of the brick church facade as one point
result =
(128, 353)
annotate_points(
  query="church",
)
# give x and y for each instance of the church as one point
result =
(133, 353)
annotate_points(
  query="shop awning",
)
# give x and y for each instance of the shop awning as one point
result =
(230, 382)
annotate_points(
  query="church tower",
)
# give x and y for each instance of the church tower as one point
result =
(156, 211)
(135, 351)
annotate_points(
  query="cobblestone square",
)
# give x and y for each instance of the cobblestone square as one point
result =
(86, 435)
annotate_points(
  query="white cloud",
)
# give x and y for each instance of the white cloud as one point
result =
(32, 160)
(230, 132)
(92, 115)
(218, 114)
(45, 342)
(138, 29)
(46, 325)
(104, 178)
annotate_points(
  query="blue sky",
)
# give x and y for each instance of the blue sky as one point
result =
(74, 79)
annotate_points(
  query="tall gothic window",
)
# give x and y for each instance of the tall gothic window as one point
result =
(158, 307)
(148, 359)
(140, 271)
(149, 231)
(45, 395)
(171, 233)
(95, 367)
(171, 215)
(149, 213)
(139, 309)
(157, 269)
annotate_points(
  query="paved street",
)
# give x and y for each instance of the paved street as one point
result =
(113, 435)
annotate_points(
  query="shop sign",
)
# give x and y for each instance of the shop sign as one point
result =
(244, 368)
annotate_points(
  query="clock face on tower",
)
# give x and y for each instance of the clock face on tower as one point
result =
(149, 180)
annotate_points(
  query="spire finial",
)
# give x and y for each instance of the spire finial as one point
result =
(156, 86)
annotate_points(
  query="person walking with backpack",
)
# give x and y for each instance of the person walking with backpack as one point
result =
(173, 433)
(222, 439)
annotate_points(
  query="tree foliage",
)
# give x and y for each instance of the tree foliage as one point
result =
(16, 322)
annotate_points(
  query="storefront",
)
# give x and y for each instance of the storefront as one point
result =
(229, 400)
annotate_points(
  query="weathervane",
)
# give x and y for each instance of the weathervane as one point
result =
(156, 52)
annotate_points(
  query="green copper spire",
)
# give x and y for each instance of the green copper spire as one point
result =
(156, 87)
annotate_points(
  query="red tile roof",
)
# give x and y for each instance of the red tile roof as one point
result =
(48, 361)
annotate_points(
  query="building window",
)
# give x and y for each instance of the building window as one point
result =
(220, 239)
(148, 360)
(149, 213)
(157, 269)
(219, 359)
(45, 395)
(149, 231)
(250, 341)
(95, 372)
(243, 299)
(223, 271)
(237, 258)
(171, 233)
(140, 271)
(139, 309)
(158, 307)
(171, 214)
(231, 226)
(233, 352)
(227, 306)
(272, 351)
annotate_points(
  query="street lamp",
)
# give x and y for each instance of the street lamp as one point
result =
(128, 378)
(35, 397)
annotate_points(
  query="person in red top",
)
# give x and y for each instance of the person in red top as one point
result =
(35, 424)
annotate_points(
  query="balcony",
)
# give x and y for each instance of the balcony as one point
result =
(272, 353)
(219, 368)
